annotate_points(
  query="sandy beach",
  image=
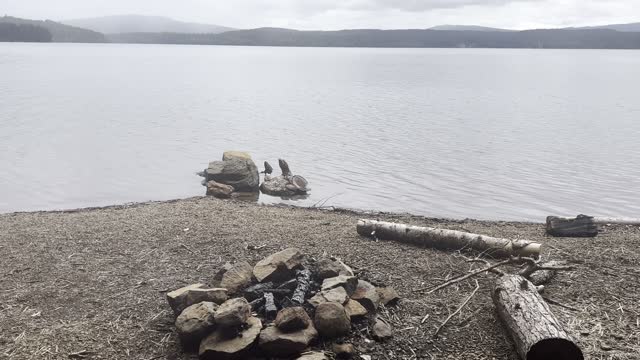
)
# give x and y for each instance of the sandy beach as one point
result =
(94, 280)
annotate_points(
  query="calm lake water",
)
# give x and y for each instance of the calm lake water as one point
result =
(489, 134)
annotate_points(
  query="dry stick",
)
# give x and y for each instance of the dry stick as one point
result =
(554, 302)
(458, 310)
(476, 272)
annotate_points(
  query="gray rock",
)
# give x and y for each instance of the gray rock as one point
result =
(233, 313)
(313, 355)
(292, 319)
(328, 268)
(221, 191)
(388, 295)
(349, 283)
(176, 298)
(280, 266)
(338, 295)
(189, 295)
(219, 346)
(366, 295)
(230, 155)
(331, 320)
(381, 330)
(238, 172)
(280, 344)
(355, 310)
(236, 277)
(343, 351)
(195, 322)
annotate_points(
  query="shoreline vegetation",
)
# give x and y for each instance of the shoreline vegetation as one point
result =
(439, 37)
(102, 289)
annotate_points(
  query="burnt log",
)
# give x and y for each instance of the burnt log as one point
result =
(447, 239)
(535, 331)
(580, 226)
(304, 284)
(257, 290)
(270, 308)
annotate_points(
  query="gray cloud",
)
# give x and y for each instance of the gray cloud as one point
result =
(340, 14)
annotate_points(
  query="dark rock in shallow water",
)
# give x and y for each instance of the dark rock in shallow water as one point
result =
(236, 170)
(221, 191)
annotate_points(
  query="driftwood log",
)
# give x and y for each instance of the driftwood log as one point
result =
(536, 332)
(580, 226)
(447, 239)
(617, 221)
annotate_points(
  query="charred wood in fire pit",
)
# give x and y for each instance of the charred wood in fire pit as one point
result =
(256, 291)
(270, 309)
(256, 304)
(304, 283)
(291, 284)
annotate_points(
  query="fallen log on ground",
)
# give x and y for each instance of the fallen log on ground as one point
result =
(447, 239)
(616, 221)
(536, 332)
(580, 226)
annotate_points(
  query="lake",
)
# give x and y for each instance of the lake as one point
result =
(461, 133)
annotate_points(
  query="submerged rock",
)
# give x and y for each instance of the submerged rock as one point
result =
(221, 191)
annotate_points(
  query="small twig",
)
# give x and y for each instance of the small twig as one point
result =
(186, 247)
(80, 354)
(554, 302)
(458, 310)
(473, 273)
(424, 319)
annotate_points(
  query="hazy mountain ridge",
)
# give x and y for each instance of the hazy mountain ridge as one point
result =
(59, 32)
(551, 39)
(466, 28)
(120, 24)
(631, 27)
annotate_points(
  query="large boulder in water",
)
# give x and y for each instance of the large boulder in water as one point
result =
(237, 169)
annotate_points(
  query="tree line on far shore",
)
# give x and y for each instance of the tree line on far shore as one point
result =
(24, 33)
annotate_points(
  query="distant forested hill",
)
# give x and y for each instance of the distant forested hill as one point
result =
(144, 24)
(59, 32)
(23, 33)
(548, 39)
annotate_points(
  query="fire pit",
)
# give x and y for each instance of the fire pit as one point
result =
(279, 308)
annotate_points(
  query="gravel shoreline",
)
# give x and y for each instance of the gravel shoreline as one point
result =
(94, 280)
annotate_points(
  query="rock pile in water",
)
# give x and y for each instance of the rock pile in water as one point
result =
(278, 308)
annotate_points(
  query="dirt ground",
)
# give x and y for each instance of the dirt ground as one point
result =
(93, 281)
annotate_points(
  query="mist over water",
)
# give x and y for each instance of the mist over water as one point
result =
(488, 134)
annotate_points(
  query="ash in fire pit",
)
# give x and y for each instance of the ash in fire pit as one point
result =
(278, 308)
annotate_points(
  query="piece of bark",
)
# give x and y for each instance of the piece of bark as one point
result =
(580, 226)
(541, 277)
(447, 239)
(304, 283)
(535, 331)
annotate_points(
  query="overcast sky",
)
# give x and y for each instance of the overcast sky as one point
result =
(341, 14)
